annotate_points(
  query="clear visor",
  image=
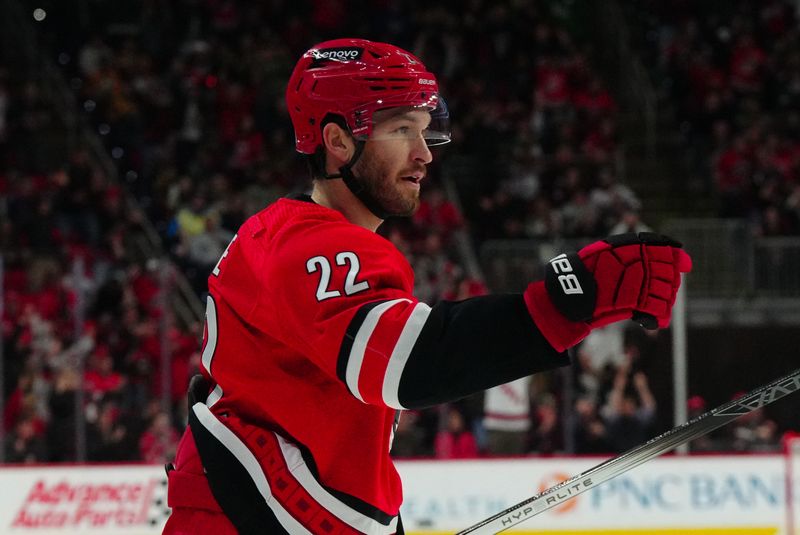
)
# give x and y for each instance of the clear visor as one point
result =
(429, 121)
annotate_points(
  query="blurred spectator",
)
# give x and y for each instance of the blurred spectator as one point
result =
(696, 406)
(107, 438)
(594, 99)
(61, 432)
(611, 198)
(100, 379)
(27, 400)
(507, 417)
(24, 444)
(206, 248)
(191, 218)
(547, 433)
(157, 444)
(732, 173)
(630, 221)
(552, 88)
(629, 415)
(543, 220)
(599, 357)
(580, 216)
(454, 440)
(589, 432)
(433, 269)
(601, 142)
(437, 214)
(752, 432)
(747, 65)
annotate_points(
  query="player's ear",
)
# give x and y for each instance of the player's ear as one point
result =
(338, 142)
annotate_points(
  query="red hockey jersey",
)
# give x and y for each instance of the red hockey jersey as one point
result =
(314, 341)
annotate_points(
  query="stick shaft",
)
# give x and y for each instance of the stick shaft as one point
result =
(654, 447)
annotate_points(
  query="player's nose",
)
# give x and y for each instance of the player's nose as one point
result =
(421, 152)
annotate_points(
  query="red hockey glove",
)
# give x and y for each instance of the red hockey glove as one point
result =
(627, 276)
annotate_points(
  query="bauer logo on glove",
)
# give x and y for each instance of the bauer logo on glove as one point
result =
(627, 276)
(571, 287)
(568, 280)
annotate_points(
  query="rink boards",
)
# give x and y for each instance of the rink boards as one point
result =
(708, 495)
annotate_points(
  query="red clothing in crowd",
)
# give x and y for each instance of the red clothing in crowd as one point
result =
(455, 445)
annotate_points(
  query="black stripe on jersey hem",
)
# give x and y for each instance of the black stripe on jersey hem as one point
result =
(349, 338)
(362, 507)
(352, 502)
(231, 484)
(238, 496)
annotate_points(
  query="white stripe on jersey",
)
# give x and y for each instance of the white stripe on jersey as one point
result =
(211, 333)
(356, 357)
(402, 349)
(229, 439)
(214, 396)
(299, 469)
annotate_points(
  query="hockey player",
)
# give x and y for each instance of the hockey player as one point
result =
(314, 341)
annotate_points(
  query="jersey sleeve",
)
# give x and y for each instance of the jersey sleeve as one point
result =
(342, 296)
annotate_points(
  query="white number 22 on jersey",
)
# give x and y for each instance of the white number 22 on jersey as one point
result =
(321, 264)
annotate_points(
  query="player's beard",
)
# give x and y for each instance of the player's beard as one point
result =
(383, 186)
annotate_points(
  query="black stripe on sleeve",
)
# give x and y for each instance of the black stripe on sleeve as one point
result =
(350, 336)
(469, 346)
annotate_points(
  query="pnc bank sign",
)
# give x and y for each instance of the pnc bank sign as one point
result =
(690, 492)
(709, 491)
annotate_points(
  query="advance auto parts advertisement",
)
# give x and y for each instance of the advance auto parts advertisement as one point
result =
(83, 499)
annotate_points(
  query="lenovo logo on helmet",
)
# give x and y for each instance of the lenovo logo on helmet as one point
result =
(338, 54)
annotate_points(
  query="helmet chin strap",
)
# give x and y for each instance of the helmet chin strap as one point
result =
(357, 187)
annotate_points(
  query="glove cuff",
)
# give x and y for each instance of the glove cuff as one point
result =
(559, 332)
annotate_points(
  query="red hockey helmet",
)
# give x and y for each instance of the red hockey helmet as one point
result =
(354, 78)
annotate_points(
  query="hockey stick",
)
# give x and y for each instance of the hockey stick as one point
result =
(705, 423)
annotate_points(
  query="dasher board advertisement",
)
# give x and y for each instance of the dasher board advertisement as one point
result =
(706, 495)
(108, 500)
